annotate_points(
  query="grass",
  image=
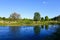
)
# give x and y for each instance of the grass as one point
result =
(27, 23)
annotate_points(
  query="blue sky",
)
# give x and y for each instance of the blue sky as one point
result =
(27, 8)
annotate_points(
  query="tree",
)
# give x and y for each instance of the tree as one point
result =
(36, 16)
(46, 18)
(42, 19)
(3, 18)
(14, 16)
(0, 18)
(57, 18)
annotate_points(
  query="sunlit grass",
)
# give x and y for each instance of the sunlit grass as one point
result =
(28, 23)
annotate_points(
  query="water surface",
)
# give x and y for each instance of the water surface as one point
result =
(42, 32)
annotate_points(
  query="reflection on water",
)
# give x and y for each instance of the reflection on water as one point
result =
(13, 31)
(42, 26)
(37, 29)
(46, 27)
(42, 32)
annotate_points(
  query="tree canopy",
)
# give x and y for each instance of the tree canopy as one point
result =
(46, 18)
(42, 19)
(57, 18)
(36, 16)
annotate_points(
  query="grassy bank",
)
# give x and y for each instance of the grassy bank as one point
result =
(27, 23)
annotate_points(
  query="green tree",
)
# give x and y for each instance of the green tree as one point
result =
(36, 16)
(58, 18)
(14, 16)
(42, 19)
(0, 18)
(3, 18)
(46, 18)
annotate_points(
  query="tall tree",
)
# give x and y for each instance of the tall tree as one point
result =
(37, 16)
(46, 18)
(14, 16)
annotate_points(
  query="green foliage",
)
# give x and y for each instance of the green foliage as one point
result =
(14, 19)
(36, 16)
(0, 18)
(27, 21)
(57, 18)
(3, 18)
(46, 18)
(42, 19)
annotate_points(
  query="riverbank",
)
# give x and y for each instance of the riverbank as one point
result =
(31, 23)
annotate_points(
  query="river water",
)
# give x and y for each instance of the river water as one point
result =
(42, 32)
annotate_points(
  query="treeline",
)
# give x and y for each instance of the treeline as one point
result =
(57, 18)
(37, 17)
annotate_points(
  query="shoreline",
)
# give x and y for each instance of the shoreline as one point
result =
(28, 24)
